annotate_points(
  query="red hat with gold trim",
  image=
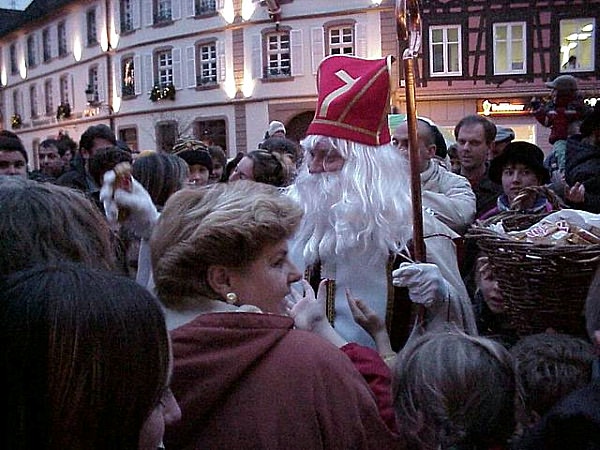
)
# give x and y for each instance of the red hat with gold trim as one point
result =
(354, 99)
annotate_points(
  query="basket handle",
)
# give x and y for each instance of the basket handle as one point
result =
(526, 194)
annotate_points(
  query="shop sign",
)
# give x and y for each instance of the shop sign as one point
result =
(502, 107)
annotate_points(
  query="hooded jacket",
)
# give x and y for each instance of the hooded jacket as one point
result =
(248, 380)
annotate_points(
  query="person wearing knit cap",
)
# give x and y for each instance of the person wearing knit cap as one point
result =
(13, 157)
(195, 153)
(564, 109)
(276, 128)
(353, 186)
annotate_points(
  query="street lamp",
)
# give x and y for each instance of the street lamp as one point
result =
(94, 106)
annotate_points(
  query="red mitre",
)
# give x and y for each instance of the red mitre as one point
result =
(354, 99)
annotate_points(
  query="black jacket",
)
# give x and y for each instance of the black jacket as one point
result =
(583, 166)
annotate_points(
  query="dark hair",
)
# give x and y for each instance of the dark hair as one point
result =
(49, 143)
(64, 143)
(106, 159)
(270, 167)
(591, 121)
(231, 165)
(100, 131)
(161, 174)
(217, 154)
(489, 129)
(43, 223)
(85, 359)
(9, 134)
(551, 366)
(283, 146)
(12, 144)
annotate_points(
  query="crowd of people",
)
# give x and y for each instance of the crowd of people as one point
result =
(273, 300)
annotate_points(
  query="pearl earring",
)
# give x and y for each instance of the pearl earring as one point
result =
(231, 298)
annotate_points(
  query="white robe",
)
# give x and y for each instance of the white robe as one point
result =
(366, 276)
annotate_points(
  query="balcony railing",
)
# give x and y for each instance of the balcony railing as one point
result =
(127, 90)
(206, 81)
(276, 72)
(163, 17)
(205, 7)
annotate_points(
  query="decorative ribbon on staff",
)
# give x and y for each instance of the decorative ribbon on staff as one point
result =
(408, 23)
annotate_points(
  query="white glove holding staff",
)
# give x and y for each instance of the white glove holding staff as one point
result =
(141, 212)
(425, 282)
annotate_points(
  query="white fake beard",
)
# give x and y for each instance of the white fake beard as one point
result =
(332, 227)
(320, 236)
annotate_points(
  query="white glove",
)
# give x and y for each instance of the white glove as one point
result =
(141, 212)
(425, 283)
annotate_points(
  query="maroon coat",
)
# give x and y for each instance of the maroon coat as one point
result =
(250, 381)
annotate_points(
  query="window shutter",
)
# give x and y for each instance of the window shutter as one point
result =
(177, 74)
(190, 59)
(118, 77)
(257, 56)
(360, 45)
(135, 14)
(71, 90)
(221, 61)
(147, 73)
(101, 84)
(176, 9)
(297, 52)
(68, 34)
(117, 15)
(137, 74)
(39, 48)
(41, 106)
(189, 8)
(97, 25)
(52, 43)
(148, 18)
(318, 47)
(21, 102)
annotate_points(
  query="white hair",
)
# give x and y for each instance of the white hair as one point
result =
(366, 206)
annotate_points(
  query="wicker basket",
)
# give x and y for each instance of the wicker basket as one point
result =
(543, 285)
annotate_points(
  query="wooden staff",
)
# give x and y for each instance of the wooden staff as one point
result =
(408, 22)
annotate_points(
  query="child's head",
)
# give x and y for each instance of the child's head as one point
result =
(196, 154)
(521, 165)
(450, 389)
(488, 285)
(550, 366)
(564, 88)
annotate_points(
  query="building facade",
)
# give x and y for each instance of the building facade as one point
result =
(222, 69)
(158, 69)
(492, 57)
